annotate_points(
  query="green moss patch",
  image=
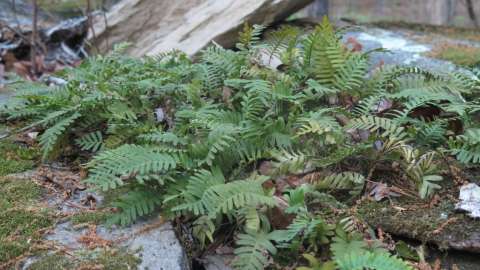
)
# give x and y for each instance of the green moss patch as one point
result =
(52, 262)
(100, 259)
(96, 217)
(17, 192)
(20, 223)
(439, 225)
(15, 157)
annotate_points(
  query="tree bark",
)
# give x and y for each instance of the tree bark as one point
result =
(471, 13)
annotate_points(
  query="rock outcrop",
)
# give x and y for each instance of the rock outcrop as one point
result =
(188, 25)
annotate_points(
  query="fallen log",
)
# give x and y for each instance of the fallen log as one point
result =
(188, 25)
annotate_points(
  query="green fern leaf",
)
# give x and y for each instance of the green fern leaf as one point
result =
(252, 250)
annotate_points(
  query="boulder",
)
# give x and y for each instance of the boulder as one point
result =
(188, 25)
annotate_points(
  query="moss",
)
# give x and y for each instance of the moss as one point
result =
(19, 222)
(17, 192)
(107, 260)
(461, 55)
(96, 217)
(419, 221)
(9, 251)
(116, 259)
(16, 158)
(52, 262)
(22, 227)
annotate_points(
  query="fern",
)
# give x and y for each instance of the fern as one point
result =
(51, 137)
(388, 128)
(228, 116)
(345, 180)
(466, 147)
(252, 251)
(368, 260)
(111, 168)
(91, 141)
(133, 205)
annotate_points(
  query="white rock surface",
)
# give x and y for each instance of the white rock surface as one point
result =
(154, 26)
(470, 200)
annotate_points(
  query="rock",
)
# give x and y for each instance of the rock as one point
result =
(160, 249)
(217, 262)
(187, 25)
(402, 50)
(470, 200)
(19, 13)
(154, 241)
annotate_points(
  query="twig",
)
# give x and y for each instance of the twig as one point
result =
(106, 25)
(15, 17)
(33, 49)
(90, 25)
(443, 225)
(21, 35)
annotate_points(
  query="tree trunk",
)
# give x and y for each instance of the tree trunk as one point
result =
(471, 13)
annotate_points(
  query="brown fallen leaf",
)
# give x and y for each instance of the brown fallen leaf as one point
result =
(92, 240)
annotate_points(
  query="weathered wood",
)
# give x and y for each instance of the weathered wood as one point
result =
(189, 25)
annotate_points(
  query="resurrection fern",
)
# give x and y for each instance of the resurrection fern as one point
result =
(253, 251)
(369, 260)
(207, 194)
(226, 140)
(345, 180)
(386, 127)
(113, 167)
(51, 137)
(92, 141)
(467, 147)
(135, 204)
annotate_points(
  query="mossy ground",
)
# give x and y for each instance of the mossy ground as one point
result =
(461, 55)
(96, 217)
(24, 218)
(439, 224)
(100, 259)
(16, 157)
(21, 221)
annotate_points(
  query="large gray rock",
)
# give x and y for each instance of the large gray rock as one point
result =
(188, 25)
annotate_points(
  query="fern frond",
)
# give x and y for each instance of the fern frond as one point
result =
(346, 180)
(288, 162)
(163, 137)
(369, 260)
(133, 205)
(387, 127)
(91, 142)
(253, 250)
(111, 168)
(250, 36)
(50, 138)
(208, 194)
